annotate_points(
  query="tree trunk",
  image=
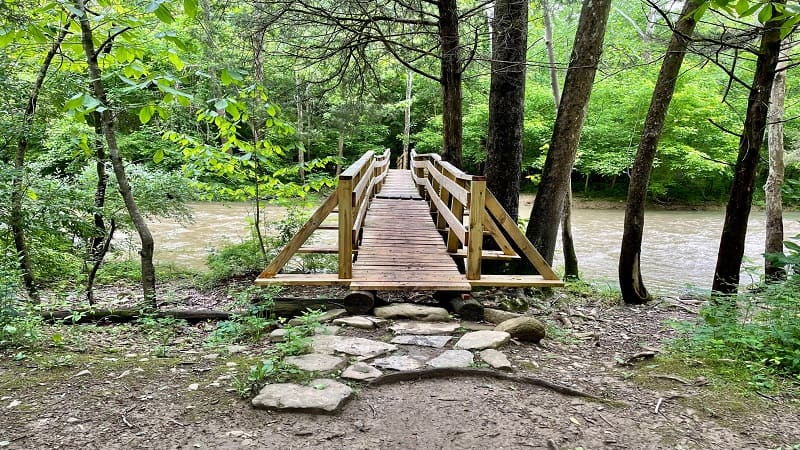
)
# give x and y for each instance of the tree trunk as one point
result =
(17, 216)
(298, 101)
(340, 145)
(567, 242)
(549, 203)
(451, 82)
(630, 276)
(774, 206)
(407, 122)
(507, 103)
(102, 239)
(734, 231)
(107, 120)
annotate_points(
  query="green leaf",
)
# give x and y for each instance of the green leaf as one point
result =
(766, 13)
(175, 60)
(698, 13)
(788, 26)
(153, 6)
(7, 37)
(158, 156)
(145, 114)
(741, 7)
(190, 8)
(271, 110)
(74, 102)
(164, 15)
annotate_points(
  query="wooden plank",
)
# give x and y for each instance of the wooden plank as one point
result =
(492, 255)
(515, 281)
(345, 192)
(452, 222)
(302, 279)
(380, 285)
(522, 242)
(475, 241)
(449, 184)
(355, 168)
(458, 212)
(497, 235)
(300, 238)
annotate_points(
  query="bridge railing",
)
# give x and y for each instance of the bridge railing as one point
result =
(450, 192)
(357, 185)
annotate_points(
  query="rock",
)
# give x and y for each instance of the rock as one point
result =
(479, 340)
(452, 358)
(361, 371)
(210, 356)
(234, 349)
(83, 373)
(378, 322)
(475, 326)
(523, 328)
(424, 328)
(317, 362)
(332, 314)
(399, 363)
(327, 329)
(350, 345)
(355, 322)
(498, 316)
(278, 335)
(412, 311)
(422, 341)
(321, 395)
(193, 387)
(495, 359)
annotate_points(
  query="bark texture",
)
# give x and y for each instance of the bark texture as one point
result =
(107, 121)
(17, 215)
(451, 82)
(774, 204)
(507, 103)
(734, 231)
(630, 275)
(586, 51)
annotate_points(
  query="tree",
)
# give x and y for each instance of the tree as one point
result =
(586, 51)
(507, 103)
(737, 211)
(773, 243)
(108, 126)
(630, 276)
(18, 193)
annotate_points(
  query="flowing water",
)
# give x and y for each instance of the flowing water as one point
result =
(679, 248)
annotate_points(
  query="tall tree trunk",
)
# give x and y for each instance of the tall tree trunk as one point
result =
(451, 82)
(102, 238)
(630, 276)
(298, 101)
(567, 241)
(407, 121)
(774, 205)
(734, 231)
(17, 217)
(340, 146)
(586, 51)
(107, 121)
(507, 103)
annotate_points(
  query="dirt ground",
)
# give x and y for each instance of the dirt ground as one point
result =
(103, 388)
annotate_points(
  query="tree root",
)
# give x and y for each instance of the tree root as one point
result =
(442, 372)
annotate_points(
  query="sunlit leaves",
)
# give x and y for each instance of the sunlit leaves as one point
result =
(190, 8)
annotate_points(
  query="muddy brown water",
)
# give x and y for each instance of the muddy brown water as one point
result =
(679, 248)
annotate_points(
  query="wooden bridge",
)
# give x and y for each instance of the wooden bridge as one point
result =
(418, 229)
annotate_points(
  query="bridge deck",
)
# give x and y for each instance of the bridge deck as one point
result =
(399, 246)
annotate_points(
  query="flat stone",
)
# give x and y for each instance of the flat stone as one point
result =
(496, 359)
(399, 363)
(327, 329)
(378, 322)
(234, 349)
(332, 314)
(475, 326)
(361, 371)
(479, 340)
(321, 395)
(350, 345)
(412, 311)
(422, 341)
(452, 358)
(524, 328)
(424, 328)
(498, 316)
(317, 362)
(278, 335)
(355, 322)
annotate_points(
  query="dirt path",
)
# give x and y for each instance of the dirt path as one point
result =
(130, 399)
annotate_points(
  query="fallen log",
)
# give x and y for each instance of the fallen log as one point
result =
(283, 307)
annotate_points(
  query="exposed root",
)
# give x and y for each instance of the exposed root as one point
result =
(444, 372)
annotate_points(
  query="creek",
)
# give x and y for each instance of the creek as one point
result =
(678, 253)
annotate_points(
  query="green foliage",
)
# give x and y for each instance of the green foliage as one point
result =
(160, 331)
(760, 330)
(234, 261)
(251, 325)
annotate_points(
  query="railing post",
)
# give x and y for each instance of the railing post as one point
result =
(475, 239)
(345, 193)
(458, 211)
